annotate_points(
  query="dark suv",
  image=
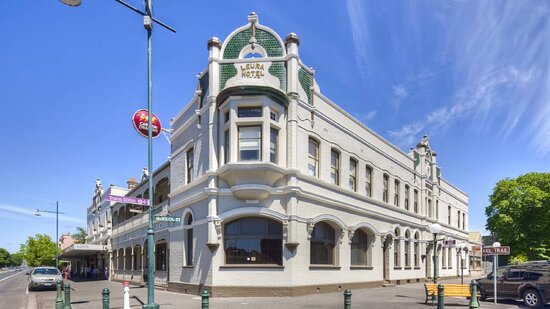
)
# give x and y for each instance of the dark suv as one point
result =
(528, 281)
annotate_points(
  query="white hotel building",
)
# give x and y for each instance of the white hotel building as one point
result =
(282, 192)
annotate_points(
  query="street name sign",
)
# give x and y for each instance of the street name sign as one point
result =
(167, 218)
(503, 250)
(127, 199)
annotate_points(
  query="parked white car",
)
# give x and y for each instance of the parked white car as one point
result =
(44, 277)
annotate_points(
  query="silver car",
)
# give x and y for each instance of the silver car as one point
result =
(44, 277)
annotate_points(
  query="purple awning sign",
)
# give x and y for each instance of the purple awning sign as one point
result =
(127, 199)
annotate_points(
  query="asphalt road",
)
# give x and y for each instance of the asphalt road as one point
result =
(13, 290)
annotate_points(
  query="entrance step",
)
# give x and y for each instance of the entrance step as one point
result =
(387, 283)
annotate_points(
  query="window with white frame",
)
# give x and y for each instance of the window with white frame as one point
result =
(190, 165)
(407, 249)
(353, 174)
(407, 193)
(397, 249)
(250, 143)
(226, 146)
(416, 250)
(396, 193)
(334, 167)
(313, 158)
(385, 188)
(322, 244)
(359, 248)
(368, 181)
(415, 201)
(273, 142)
(249, 111)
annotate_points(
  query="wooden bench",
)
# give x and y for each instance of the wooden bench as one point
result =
(460, 290)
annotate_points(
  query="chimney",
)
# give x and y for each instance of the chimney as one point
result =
(131, 183)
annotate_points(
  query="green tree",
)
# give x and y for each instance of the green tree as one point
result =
(519, 215)
(16, 259)
(39, 250)
(80, 235)
(4, 257)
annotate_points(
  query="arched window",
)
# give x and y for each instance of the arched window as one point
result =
(360, 249)
(128, 259)
(253, 240)
(121, 259)
(396, 249)
(160, 255)
(407, 249)
(115, 218)
(416, 250)
(322, 244)
(189, 241)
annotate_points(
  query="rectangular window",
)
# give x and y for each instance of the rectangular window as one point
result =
(407, 253)
(273, 115)
(352, 174)
(160, 256)
(463, 221)
(368, 181)
(406, 197)
(335, 167)
(449, 215)
(450, 256)
(444, 257)
(385, 189)
(458, 218)
(415, 201)
(313, 158)
(430, 211)
(245, 112)
(437, 209)
(396, 193)
(416, 251)
(226, 146)
(190, 163)
(273, 141)
(250, 143)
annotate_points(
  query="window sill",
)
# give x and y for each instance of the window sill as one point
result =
(248, 266)
(324, 267)
(417, 267)
(397, 267)
(362, 267)
(408, 267)
(188, 266)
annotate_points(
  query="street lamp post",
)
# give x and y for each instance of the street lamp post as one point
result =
(148, 21)
(56, 212)
(435, 229)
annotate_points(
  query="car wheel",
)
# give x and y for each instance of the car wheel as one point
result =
(531, 298)
(482, 293)
(29, 288)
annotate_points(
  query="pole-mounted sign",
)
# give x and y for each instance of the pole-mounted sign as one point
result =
(140, 121)
(502, 250)
(127, 199)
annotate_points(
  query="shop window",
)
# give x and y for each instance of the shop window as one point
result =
(322, 244)
(360, 249)
(253, 240)
(250, 141)
(160, 256)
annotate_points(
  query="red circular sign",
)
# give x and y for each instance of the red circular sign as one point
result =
(140, 121)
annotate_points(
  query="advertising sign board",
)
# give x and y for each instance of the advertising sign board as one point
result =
(127, 199)
(141, 123)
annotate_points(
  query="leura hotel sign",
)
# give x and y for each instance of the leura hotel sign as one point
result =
(252, 70)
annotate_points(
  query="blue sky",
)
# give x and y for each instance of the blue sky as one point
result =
(474, 75)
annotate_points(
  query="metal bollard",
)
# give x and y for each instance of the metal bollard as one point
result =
(347, 299)
(67, 296)
(105, 294)
(474, 302)
(205, 299)
(440, 297)
(59, 298)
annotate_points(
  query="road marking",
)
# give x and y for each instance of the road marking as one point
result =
(9, 277)
(31, 301)
(27, 290)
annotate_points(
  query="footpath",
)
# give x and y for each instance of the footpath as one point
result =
(409, 296)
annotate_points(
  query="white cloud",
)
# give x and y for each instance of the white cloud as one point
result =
(359, 31)
(28, 212)
(400, 91)
(364, 117)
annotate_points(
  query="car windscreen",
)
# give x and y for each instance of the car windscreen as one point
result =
(45, 271)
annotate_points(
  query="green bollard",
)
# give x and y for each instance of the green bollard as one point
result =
(205, 299)
(67, 296)
(59, 300)
(347, 299)
(440, 297)
(105, 294)
(474, 302)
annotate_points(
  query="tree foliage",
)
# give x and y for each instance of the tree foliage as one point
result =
(4, 258)
(39, 250)
(80, 235)
(519, 215)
